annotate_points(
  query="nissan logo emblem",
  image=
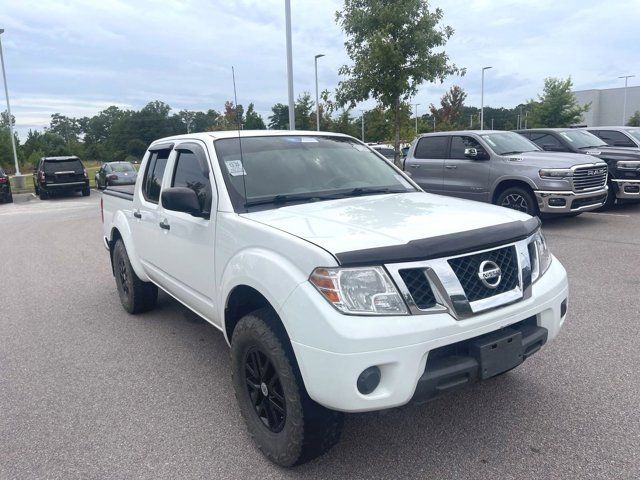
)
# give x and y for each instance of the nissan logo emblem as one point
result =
(489, 274)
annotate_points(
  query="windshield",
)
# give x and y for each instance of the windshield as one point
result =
(635, 134)
(122, 167)
(281, 169)
(582, 139)
(69, 165)
(509, 143)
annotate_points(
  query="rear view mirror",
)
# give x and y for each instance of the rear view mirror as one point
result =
(182, 199)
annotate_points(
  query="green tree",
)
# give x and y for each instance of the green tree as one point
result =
(67, 127)
(279, 120)
(253, 120)
(304, 108)
(634, 121)
(395, 47)
(557, 106)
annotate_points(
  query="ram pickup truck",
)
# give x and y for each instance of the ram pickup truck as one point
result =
(505, 169)
(623, 163)
(338, 283)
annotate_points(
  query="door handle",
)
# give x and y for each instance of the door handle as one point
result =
(415, 165)
(450, 167)
(165, 225)
(137, 214)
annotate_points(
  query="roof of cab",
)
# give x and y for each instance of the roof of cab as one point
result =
(462, 132)
(245, 134)
(68, 157)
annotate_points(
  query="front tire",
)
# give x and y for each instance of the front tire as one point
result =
(288, 427)
(611, 198)
(518, 198)
(136, 296)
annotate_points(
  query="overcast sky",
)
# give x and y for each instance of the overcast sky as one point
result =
(77, 57)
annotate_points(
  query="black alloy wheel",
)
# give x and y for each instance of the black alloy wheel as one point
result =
(520, 199)
(515, 201)
(265, 390)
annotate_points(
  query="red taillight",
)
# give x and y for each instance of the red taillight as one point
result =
(84, 170)
(101, 209)
(112, 177)
(4, 179)
(41, 177)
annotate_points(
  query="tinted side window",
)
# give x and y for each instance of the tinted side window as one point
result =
(459, 144)
(190, 172)
(432, 147)
(154, 174)
(542, 139)
(615, 138)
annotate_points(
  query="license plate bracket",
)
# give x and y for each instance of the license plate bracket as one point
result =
(498, 352)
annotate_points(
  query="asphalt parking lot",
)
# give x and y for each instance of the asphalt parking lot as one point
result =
(88, 391)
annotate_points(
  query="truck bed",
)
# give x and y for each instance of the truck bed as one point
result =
(123, 191)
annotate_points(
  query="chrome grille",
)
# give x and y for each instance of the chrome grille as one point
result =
(419, 288)
(589, 178)
(466, 269)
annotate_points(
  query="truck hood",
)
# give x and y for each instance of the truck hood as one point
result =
(374, 221)
(542, 159)
(614, 153)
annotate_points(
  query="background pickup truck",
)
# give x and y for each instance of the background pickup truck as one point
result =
(506, 169)
(339, 284)
(623, 163)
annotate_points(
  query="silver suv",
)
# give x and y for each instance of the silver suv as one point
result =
(508, 170)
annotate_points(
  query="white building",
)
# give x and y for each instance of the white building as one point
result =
(607, 105)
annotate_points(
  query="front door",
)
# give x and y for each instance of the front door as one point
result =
(186, 241)
(466, 177)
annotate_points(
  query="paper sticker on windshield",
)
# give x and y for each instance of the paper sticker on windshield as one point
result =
(235, 168)
(403, 182)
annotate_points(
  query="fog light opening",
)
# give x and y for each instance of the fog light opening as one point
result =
(632, 189)
(368, 380)
(563, 308)
(557, 202)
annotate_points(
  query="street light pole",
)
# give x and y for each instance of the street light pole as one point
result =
(6, 92)
(624, 108)
(292, 113)
(362, 122)
(416, 118)
(482, 99)
(317, 94)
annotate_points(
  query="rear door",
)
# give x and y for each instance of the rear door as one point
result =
(187, 242)
(146, 217)
(427, 162)
(465, 177)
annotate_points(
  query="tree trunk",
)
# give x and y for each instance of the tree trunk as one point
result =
(396, 141)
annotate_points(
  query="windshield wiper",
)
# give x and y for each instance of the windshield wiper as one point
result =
(282, 199)
(593, 146)
(370, 190)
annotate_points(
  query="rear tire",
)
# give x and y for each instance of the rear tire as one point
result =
(136, 296)
(288, 427)
(86, 192)
(9, 198)
(43, 194)
(520, 199)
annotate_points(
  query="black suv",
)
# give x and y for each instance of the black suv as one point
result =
(60, 174)
(5, 187)
(624, 163)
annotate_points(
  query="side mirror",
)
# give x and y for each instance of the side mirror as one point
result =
(182, 199)
(471, 153)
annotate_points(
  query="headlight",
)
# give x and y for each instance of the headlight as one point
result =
(628, 165)
(555, 173)
(360, 291)
(540, 256)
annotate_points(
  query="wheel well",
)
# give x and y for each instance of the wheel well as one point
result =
(243, 300)
(115, 236)
(502, 186)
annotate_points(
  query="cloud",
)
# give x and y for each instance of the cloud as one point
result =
(79, 56)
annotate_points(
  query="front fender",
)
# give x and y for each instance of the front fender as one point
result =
(512, 178)
(121, 224)
(271, 274)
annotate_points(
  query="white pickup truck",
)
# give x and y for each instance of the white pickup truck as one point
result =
(338, 283)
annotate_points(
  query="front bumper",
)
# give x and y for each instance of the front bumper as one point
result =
(333, 349)
(627, 189)
(550, 201)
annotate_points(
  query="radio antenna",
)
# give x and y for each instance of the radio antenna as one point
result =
(243, 172)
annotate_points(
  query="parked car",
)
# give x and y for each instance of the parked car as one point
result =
(115, 173)
(506, 169)
(627, 137)
(60, 174)
(387, 151)
(5, 187)
(624, 164)
(339, 284)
